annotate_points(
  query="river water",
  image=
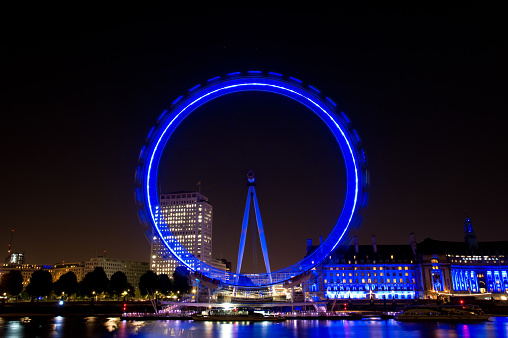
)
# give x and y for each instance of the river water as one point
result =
(114, 327)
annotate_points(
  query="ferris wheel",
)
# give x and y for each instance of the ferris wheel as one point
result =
(147, 194)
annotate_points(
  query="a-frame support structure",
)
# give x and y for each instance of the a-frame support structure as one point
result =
(251, 195)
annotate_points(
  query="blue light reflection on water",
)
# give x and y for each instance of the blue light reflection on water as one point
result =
(114, 327)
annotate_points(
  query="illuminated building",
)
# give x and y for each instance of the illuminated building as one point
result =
(78, 268)
(188, 217)
(473, 268)
(219, 264)
(429, 269)
(132, 270)
(364, 272)
(14, 257)
(26, 270)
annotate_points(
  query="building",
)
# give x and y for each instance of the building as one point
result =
(78, 268)
(218, 264)
(26, 270)
(15, 258)
(454, 266)
(364, 272)
(188, 217)
(132, 270)
(427, 270)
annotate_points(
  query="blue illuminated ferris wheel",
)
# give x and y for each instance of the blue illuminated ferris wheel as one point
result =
(147, 194)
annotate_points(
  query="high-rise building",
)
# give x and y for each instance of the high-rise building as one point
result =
(188, 217)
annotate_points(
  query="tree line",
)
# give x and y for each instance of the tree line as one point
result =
(94, 284)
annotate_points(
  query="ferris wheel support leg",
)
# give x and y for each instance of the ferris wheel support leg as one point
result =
(243, 235)
(262, 235)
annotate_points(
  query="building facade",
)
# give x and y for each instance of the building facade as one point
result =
(365, 272)
(78, 268)
(26, 270)
(188, 217)
(427, 270)
(132, 270)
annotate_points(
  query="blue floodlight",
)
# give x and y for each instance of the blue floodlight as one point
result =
(148, 193)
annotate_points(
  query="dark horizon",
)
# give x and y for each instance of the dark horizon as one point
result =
(424, 87)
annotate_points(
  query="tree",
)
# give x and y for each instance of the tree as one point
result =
(96, 281)
(41, 284)
(148, 283)
(131, 290)
(118, 283)
(165, 286)
(12, 283)
(181, 281)
(67, 283)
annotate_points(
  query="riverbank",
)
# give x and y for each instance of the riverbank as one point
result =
(118, 308)
(73, 308)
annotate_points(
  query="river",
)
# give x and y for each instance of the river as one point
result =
(114, 327)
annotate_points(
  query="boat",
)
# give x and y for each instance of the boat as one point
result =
(236, 316)
(442, 313)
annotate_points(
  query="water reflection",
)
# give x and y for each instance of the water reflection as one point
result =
(114, 327)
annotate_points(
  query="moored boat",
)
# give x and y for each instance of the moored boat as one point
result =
(444, 313)
(236, 316)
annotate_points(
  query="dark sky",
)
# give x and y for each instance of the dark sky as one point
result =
(424, 87)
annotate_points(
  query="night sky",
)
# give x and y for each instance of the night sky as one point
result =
(424, 87)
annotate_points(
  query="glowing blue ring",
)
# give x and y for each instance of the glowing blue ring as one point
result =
(169, 121)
